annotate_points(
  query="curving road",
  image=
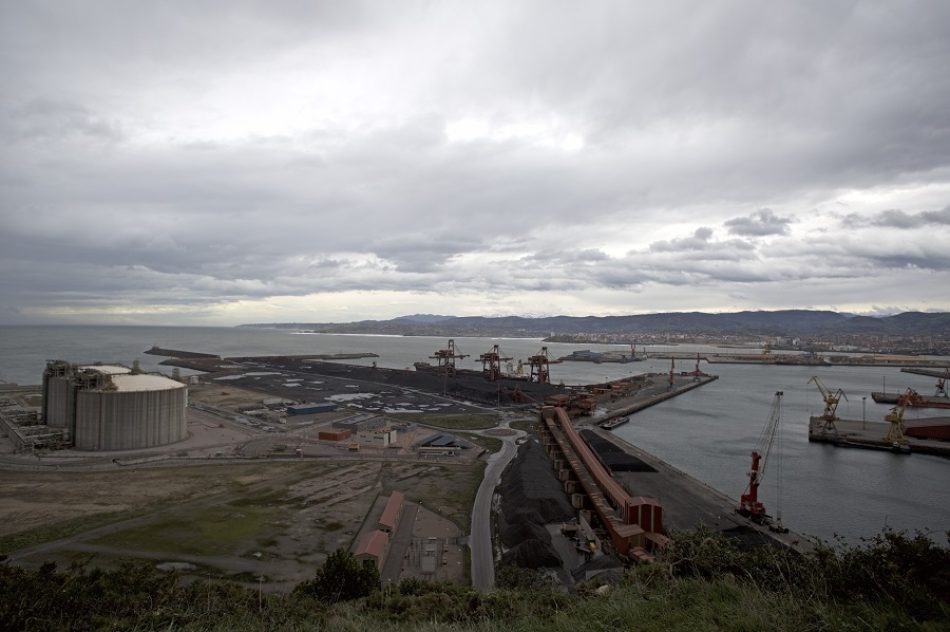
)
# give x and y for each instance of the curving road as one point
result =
(483, 557)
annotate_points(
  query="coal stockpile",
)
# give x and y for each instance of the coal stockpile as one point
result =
(531, 496)
(612, 456)
(465, 385)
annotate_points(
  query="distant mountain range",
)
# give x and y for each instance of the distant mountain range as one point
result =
(777, 323)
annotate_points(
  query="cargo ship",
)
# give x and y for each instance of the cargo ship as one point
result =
(914, 400)
(586, 355)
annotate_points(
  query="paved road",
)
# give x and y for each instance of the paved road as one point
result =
(483, 558)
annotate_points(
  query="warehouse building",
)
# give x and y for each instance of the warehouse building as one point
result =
(360, 423)
(392, 512)
(372, 549)
(311, 408)
(112, 408)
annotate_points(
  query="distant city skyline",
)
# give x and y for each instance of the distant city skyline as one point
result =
(202, 164)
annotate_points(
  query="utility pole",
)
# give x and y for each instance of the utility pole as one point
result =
(864, 412)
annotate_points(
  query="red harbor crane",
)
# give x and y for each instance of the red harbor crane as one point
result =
(446, 358)
(491, 363)
(540, 370)
(749, 504)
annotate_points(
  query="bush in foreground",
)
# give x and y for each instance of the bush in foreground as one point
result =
(704, 582)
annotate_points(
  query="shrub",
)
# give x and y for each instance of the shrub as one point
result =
(341, 578)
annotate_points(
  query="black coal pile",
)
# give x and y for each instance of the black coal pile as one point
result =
(532, 554)
(531, 496)
(612, 456)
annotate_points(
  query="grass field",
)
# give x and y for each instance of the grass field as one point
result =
(58, 530)
(524, 424)
(454, 422)
(208, 531)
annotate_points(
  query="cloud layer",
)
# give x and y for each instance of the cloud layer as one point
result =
(183, 162)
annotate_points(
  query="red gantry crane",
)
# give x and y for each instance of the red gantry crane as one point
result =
(491, 363)
(446, 358)
(540, 370)
(749, 504)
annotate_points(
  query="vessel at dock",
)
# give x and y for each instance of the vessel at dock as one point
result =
(923, 436)
(610, 424)
(597, 357)
(914, 399)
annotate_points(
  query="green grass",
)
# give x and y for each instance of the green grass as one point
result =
(211, 531)
(58, 530)
(465, 421)
(462, 498)
(527, 425)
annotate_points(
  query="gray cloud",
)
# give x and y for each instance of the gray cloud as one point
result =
(762, 223)
(178, 154)
(900, 219)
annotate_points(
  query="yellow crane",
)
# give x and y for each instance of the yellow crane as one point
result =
(895, 434)
(829, 416)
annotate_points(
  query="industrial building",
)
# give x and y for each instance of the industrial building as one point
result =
(311, 408)
(391, 513)
(372, 549)
(379, 438)
(360, 423)
(113, 408)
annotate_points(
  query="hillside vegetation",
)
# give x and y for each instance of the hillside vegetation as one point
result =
(893, 582)
(795, 322)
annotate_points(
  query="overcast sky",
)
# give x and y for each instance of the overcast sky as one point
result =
(226, 162)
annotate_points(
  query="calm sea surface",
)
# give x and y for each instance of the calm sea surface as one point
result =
(708, 432)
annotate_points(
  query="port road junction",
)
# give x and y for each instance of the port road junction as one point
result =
(287, 458)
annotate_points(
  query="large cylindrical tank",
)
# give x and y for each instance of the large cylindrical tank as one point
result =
(131, 412)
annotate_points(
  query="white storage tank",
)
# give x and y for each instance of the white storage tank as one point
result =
(131, 411)
(109, 408)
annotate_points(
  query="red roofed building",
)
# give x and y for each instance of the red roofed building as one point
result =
(392, 512)
(372, 548)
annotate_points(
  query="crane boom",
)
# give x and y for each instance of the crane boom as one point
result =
(749, 504)
(831, 399)
(895, 435)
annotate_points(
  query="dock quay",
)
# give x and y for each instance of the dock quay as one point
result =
(652, 396)
(928, 372)
(911, 364)
(870, 435)
(177, 353)
(687, 502)
(634, 499)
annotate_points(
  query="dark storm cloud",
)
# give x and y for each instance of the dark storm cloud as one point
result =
(759, 224)
(182, 153)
